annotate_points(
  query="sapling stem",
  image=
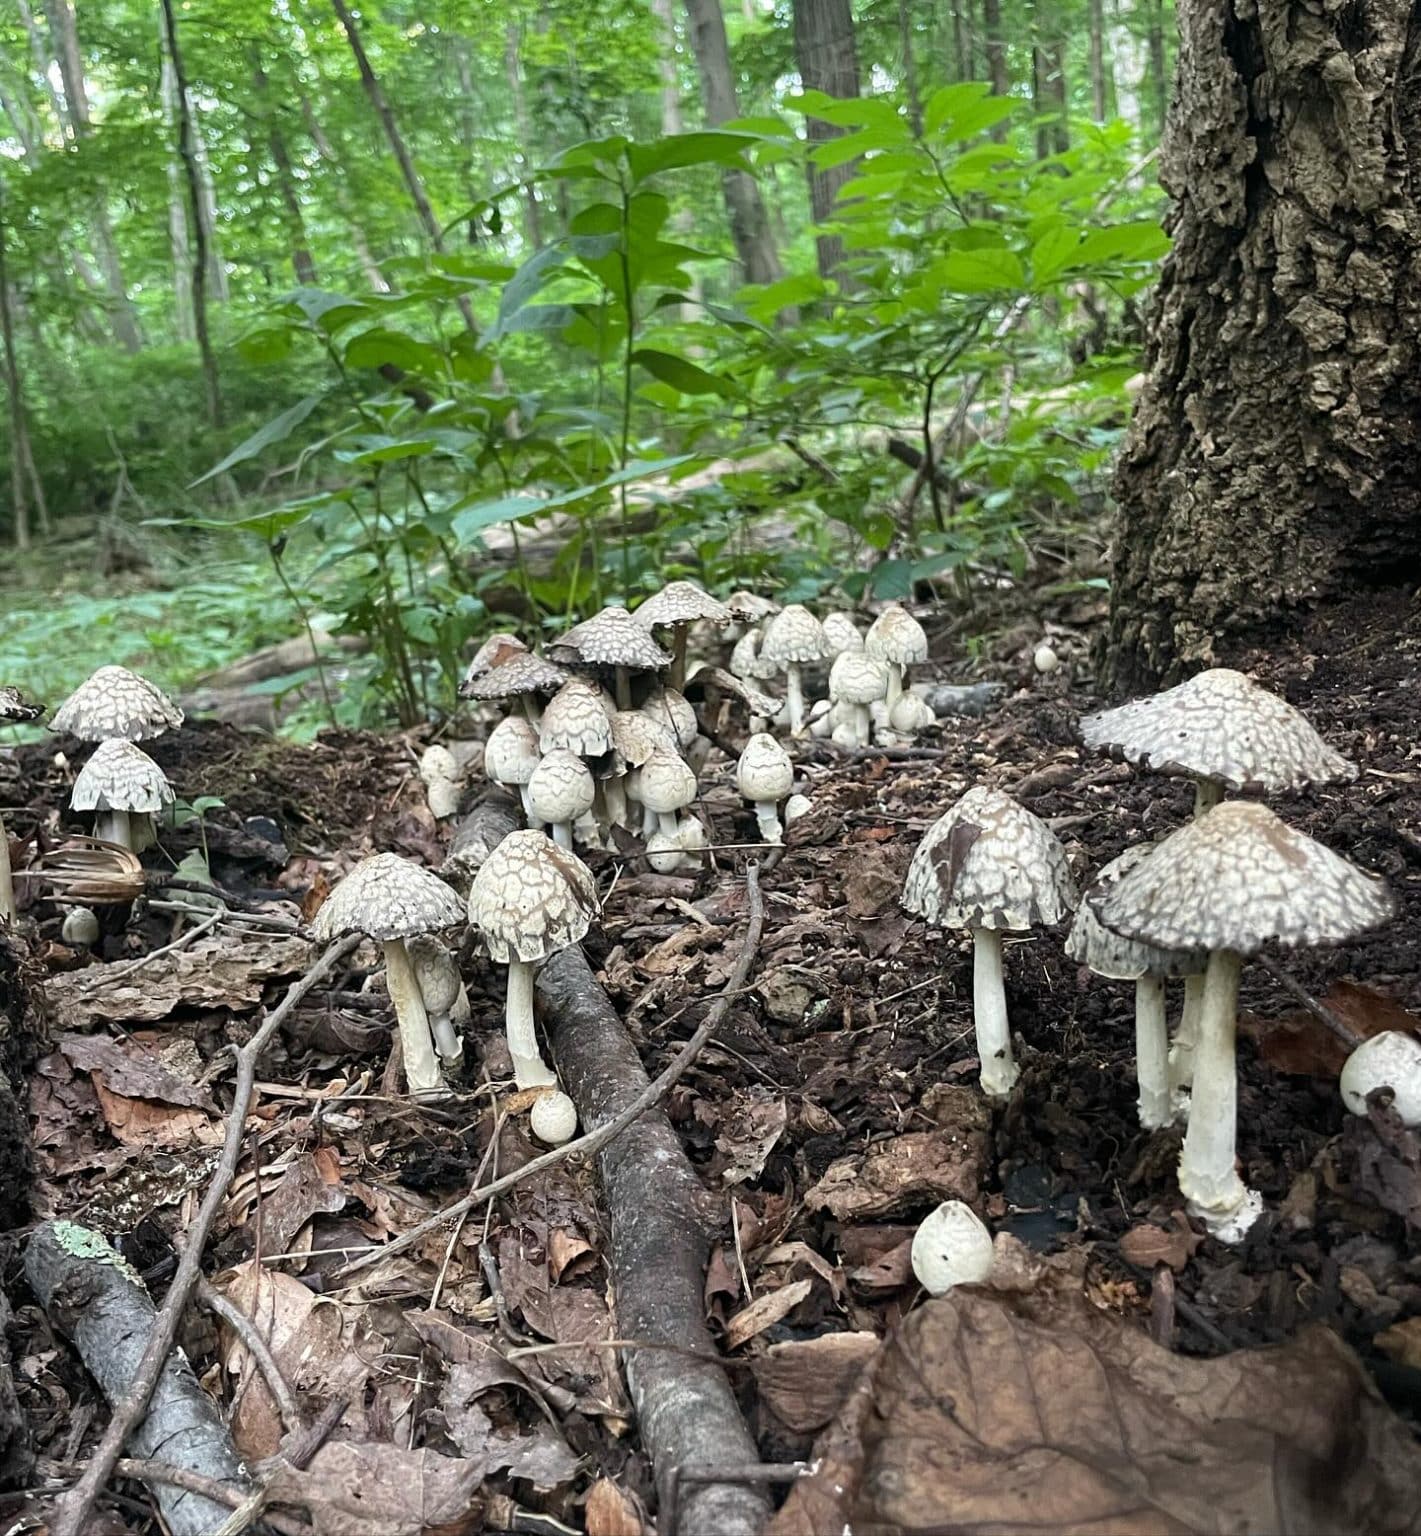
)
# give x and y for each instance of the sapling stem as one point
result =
(1152, 1053)
(989, 1014)
(422, 1072)
(529, 1069)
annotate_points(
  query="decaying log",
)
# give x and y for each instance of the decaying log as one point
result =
(96, 1299)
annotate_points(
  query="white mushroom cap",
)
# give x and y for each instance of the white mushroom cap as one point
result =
(750, 607)
(522, 673)
(1235, 879)
(1390, 1060)
(636, 735)
(511, 752)
(797, 806)
(665, 783)
(673, 710)
(553, 1118)
(663, 852)
(497, 649)
(989, 863)
(121, 777)
(911, 714)
(681, 602)
(531, 898)
(116, 704)
(951, 1247)
(1219, 725)
(841, 634)
(764, 771)
(439, 773)
(386, 897)
(1119, 959)
(794, 636)
(896, 636)
(435, 972)
(14, 707)
(746, 661)
(576, 719)
(562, 787)
(857, 678)
(611, 638)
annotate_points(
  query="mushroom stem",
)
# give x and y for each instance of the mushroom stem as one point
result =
(895, 685)
(989, 1015)
(768, 816)
(862, 723)
(446, 1038)
(7, 883)
(614, 800)
(421, 1064)
(1186, 1037)
(668, 823)
(562, 834)
(1152, 1053)
(529, 1069)
(624, 688)
(113, 827)
(1207, 794)
(1207, 1176)
(794, 695)
(679, 636)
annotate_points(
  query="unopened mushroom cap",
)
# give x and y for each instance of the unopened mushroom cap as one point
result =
(1121, 959)
(116, 704)
(911, 714)
(896, 636)
(121, 777)
(794, 636)
(746, 660)
(562, 787)
(612, 638)
(952, 1247)
(511, 752)
(531, 898)
(989, 863)
(764, 771)
(682, 602)
(386, 897)
(841, 634)
(857, 678)
(13, 706)
(436, 973)
(497, 649)
(521, 673)
(636, 735)
(1238, 877)
(1389, 1060)
(665, 782)
(673, 710)
(1219, 725)
(576, 719)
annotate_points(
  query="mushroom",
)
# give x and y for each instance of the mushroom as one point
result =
(795, 807)
(1045, 659)
(391, 900)
(13, 711)
(765, 776)
(511, 757)
(672, 709)
(442, 781)
(896, 637)
(80, 929)
(1107, 954)
(990, 866)
(793, 638)
(611, 639)
(1229, 882)
(677, 606)
(665, 785)
(841, 634)
(127, 788)
(910, 714)
(748, 610)
(1389, 1060)
(528, 900)
(952, 1246)
(856, 679)
(576, 719)
(497, 649)
(522, 676)
(446, 1002)
(116, 704)
(635, 736)
(560, 792)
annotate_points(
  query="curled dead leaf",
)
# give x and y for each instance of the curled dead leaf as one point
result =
(764, 1312)
(1147, 1245)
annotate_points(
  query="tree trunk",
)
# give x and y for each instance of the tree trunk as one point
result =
(523, 125)
(349, 211)
(1275, 452)
(672, 122)
(179, 248)
(828, 61)
(188, 153)
(471, 112)
(1128, 66)
(302, 261)
(1099, 95)
(1048, 95)
(19, 433)
(749, 225)
(1159, 69)
(996, 50)
(961, 37)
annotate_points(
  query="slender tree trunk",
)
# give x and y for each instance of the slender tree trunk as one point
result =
(1275, 452)
(910, 64)
(996, 50)
(672, 122)
(749, 225)
(523, 125)
(42, 55)
(302, 261)
(1159, 69)
(1128, 66)
(179, 247)
(1048, 94)
(188, 152)
(1099, 95)
(19, 432)
(349, 212)
(469, 115)
(216, 267)
(828, 61)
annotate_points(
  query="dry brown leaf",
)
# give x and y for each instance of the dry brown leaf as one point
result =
(133, 1068)
(611, 1512)
(311, 1184)
(751, 1123)
(919, 1169)
(567, 1248)
(764, 1312)
(1402, 1343)
(378, 1489)
(887, 1272)
(145, 1123)
(1148, 1245)
(1298, 1044)
(1042, 1414)
(804, 1383)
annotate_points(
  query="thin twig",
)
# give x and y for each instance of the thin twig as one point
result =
(303, 1450)
(594, 1141)
(257, 1346)
(117, 972)
(175, 1477)
(1323, 1014)
(74, 1510)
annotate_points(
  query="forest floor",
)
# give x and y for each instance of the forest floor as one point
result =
(834, 1108)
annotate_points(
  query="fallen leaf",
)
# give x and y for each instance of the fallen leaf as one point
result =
(611, 1512)
(147, 1123)
(1384, 1159)
(541, 1456)
(919, 1169)
(1147, 1245)
(311, 1184)
(566, 1249)
(887, 1272)
(1402, 1343)
(805, 1382)
(378, 1489)
(1300, 1045)
(133, 1068)
(764, 1312)
(750, 1126)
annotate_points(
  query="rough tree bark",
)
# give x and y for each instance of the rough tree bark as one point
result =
(1275, 452)
(996, 50)
(749, 225)
(828, 61)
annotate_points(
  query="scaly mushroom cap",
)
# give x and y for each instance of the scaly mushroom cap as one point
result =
(665, 782)
(13, 706)
(562, 787)
(386, 897)
(521, 673)
(989, 863)
(511, 752)
(681, 602)
(636, 735)
(746, 661)
(1219, 725)
(750, 607)
(673, 710)
(842, 634)
(497, 649)
(764, 771)
(576, 720)
(531, 898)
(1235, 879)
(896, 636)
(611, 638)
(436, 972)
(116, 704)
(857, 678)
(121, 777)
(1120, 959)
(794, 637)
(910, 714)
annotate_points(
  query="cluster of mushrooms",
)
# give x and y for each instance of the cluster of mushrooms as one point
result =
(1194, 905)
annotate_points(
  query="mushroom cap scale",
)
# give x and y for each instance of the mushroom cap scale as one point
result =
(841, 633)
(1238, 877)
(1219, 725)
(611, 638)
(531, 898)
(1117, 958)
(436, 972)
(561, 788)
(895, 636)
(511, 752)
(857, 678)
(636, 735)
(497, 649)
(989, 863)
(764, 771)
(681, 602)
(672, 709)
(794, 636)
(121, 777)
(665, 782)
(576, 719)
(522, 673)
(386, 897)
(13, 706)
(114, 704)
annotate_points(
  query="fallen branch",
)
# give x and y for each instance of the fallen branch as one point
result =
(1349, 1038)
(74, 1510)
(660, 1244)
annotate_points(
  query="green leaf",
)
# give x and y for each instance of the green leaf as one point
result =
(380, 449)
(681, 374)
(277, 430)
(472, 520)
(529, 278)
(330, 311)
(712, 146)
(849, 146)
(852, 111)
(379, 347)
(962, 111)
(979, 271)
